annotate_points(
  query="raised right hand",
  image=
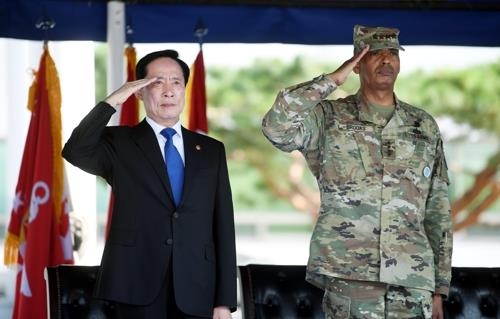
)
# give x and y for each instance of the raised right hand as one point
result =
(119, 96)
(343, 71)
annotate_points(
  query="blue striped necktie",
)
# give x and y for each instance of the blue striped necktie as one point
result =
(174, 165)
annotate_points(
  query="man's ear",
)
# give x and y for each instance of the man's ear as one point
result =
(138, 94)
(356, 68)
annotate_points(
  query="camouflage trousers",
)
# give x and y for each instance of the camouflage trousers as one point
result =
(350, 299)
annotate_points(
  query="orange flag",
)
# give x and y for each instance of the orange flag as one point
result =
(196, 98)
(39, 233)
(129, 114)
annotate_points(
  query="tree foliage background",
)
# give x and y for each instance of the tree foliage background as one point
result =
(266, 179)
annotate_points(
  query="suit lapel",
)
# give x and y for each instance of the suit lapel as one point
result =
(193, 151)
(143, 135)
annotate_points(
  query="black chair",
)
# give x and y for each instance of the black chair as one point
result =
(69, 293)
(280, 291)
(474, 293)
(270, 291)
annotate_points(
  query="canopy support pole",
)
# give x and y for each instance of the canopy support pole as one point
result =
(116, 47)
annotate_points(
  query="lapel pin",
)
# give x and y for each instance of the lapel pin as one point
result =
(198, 147)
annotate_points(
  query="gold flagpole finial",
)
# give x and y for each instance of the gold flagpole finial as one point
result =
(45, 23)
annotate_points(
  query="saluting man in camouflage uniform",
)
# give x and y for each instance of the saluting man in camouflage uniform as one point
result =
(382, 244)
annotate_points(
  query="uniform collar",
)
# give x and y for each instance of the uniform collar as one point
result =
(365, 115)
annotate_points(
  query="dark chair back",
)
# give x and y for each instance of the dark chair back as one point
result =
(278, 292)
(69, 293)
(270, 291)
(474, 293)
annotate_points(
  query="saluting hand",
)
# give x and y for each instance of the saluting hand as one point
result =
(341, 74)
(119, 96)
(222, 312)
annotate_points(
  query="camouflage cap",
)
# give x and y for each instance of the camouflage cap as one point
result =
(376, 37)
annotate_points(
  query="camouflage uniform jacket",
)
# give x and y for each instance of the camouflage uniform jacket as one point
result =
(385, 213)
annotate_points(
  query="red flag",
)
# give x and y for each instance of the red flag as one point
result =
(196, 98)
(39, 233)
(129, 114)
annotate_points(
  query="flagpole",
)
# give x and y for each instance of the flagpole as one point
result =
(116, 43)
(129, 112)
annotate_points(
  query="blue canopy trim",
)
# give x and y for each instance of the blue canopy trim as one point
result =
(474, 23)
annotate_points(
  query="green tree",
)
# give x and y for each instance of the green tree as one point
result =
(100, 71)
(470, 95)
(263, 177)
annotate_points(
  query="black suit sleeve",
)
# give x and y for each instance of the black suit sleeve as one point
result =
(84, 148)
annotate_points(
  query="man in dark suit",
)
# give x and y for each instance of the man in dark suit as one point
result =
(161, 259)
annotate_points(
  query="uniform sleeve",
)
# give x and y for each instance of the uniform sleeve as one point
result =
(295, 117)
(438, 223)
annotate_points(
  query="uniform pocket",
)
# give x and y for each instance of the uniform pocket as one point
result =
(336, 306)
(402, 302)
(342, 159)
(417, 167)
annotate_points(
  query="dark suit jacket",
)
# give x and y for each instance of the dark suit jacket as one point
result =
(147, 231)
